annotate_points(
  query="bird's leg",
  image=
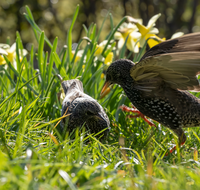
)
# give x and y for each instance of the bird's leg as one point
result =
(138, 114)
(182, 138)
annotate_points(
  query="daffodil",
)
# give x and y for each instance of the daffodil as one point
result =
(78, 55)
(154, 40)
(100, 48)
(109, 54)
(157, 40)
(2, 60)
(148, 31)
(98, 53)
(83, 67)
(102, 75)
(131, 31)
(10, 53)
(109, 58)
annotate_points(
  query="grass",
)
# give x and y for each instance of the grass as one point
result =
(34, 155)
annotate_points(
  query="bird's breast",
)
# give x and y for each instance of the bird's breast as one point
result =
(180, 110)
(155, 108)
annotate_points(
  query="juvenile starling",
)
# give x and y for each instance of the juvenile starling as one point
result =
(157, 85)
(82, 110)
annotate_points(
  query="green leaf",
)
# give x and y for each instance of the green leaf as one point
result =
(40, 53)
(69, 36)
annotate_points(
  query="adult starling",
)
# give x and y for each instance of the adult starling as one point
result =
(82, 110)
(157, 85)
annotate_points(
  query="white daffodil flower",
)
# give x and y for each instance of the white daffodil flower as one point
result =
(131, 31)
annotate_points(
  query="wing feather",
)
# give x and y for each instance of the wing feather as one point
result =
(179, 70)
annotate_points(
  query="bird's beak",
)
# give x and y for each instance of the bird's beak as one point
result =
(99, 116)
(105, 90)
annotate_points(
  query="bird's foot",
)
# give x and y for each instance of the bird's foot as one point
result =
(182, 138)
(138, 114)
(174, 148)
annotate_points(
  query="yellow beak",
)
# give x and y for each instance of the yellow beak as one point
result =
(105, 90)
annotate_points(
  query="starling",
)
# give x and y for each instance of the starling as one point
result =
(157, 85)
(82, 110)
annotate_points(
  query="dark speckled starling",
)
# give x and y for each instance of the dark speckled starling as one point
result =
(157, 85)
(83, 109)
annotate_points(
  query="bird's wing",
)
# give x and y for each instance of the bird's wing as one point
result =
(67, 105)
(178, 70)
(188, 42)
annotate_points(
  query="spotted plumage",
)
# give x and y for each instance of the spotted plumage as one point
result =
(157, 85)
(82, 110)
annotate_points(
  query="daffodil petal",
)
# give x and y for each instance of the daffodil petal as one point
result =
(177, 34)
(77, 58)
(2, 60)
(24, 52)
(142, 41)
(155, 41)
(118, 36)
(153, 20)
(109, 58)
(152, 36)
(103, 44)
(132, 26)
(2, 51)
(136, 48)
(14, 64)
(120, 43)
(80, 52)
(4, 46)
(153, 31)
(13, 48)
(131, 45)
(140, 21)
(135, 35)
(152, 43)
(98, 50)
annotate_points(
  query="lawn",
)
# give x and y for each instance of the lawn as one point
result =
(34, 155)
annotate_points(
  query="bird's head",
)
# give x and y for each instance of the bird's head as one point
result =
(72, 85)
(117, 73)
